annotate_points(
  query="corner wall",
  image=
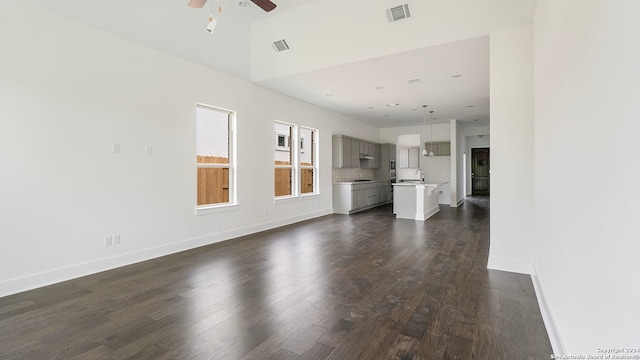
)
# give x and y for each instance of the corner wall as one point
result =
(512, 200)
(587, 169)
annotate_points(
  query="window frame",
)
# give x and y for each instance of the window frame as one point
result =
(313, 147)
(291, 148)
(295, 146)
(232, 204)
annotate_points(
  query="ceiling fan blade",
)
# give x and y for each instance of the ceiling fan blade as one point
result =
(265, 5)
(196, 3)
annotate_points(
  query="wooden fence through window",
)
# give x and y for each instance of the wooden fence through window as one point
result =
(213, 183)
(283, 179)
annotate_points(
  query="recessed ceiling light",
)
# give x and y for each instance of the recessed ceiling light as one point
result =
(370, 107)
(392, 105)
(386, 114)
(455, 76)
(414, 109)
(475, 119)
(244, 3)
(414, 82)
(379, 87)
(469, 106)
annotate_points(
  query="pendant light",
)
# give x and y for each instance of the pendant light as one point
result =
(424, 151)
(431, 148)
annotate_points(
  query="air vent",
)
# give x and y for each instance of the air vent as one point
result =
(398, 13)
(280, 45)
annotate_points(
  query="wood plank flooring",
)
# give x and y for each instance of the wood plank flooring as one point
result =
(365, 286)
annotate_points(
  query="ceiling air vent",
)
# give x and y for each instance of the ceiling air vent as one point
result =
(280, 45)
(398, 13)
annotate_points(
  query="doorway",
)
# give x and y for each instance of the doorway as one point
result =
(480, 170)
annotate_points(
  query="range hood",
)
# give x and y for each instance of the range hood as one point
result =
(366, 157)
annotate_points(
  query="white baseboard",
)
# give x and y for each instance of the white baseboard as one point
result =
(547, 316)
(25, 283)
(523, 267)
(510, 265)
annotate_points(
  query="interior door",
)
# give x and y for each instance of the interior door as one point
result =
(480, 167)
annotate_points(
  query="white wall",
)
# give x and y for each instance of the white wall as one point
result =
(512, 205)
(67, 93)
(587, 170)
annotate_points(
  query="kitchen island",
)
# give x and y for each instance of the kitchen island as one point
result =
(415, 200)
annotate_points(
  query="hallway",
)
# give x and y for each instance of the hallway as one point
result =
(364, 286)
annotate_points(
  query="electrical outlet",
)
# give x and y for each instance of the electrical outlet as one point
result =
(116, 239)
(108, 241)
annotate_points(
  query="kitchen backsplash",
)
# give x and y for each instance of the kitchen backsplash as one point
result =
(350, 174)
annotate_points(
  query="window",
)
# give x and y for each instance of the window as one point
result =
(308, 163)
(215, 157)
(284, 160)
(296, 164)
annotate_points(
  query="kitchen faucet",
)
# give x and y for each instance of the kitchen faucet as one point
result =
(421, 173)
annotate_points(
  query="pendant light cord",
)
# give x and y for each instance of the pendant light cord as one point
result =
(431, 112)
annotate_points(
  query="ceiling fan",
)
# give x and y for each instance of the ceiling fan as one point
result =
(265, 5)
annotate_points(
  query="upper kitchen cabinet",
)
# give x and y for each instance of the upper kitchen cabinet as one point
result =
(409, 158)
(377, 156)
(440, 148)
(342, 149)
(392, 152)
(349, 152)
(369, 155)
(387, 156)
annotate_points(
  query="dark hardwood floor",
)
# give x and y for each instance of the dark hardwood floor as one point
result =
(365, 286)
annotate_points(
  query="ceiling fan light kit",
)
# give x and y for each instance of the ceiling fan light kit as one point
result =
(265, 5)
(212, 24)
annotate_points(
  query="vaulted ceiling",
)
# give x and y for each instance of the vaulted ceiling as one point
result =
(345, 56)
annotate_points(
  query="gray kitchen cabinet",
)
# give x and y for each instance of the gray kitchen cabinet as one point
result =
(349, 152)
(349, 198)
(440, 148)
(383, 169)
(355, 153)
(444, 148)
(346, 152)
(358, 199)
(377, 156)
(341, 152)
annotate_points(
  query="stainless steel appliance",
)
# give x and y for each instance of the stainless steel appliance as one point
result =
(392, 178)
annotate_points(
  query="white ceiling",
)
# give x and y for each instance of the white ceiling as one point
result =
(344, 84)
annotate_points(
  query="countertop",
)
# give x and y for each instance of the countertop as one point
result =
(359, 182)
(414, 183)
